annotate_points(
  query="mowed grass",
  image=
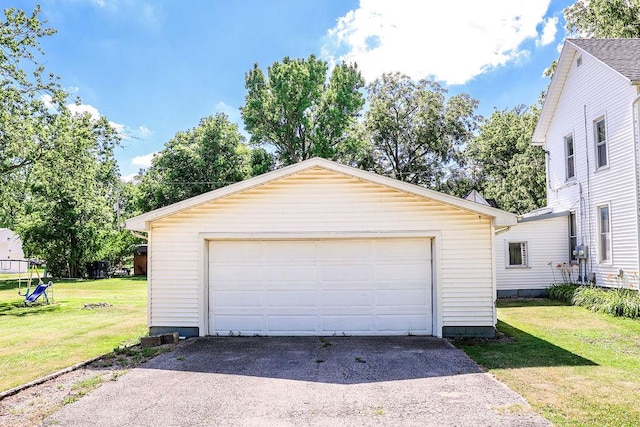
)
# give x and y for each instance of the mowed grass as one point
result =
(43, 339)
(575, 367)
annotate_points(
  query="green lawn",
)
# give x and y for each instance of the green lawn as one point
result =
(43, 339)
(575, 367)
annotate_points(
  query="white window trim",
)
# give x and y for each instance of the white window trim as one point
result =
(566, 158)
(575, 236)
(596, 143)
(526, 264)
(598, 229)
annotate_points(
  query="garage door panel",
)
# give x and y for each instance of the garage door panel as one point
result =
(291, 273)
(342, 273)
(288, 250)
(411, 324)
(403, 297)
(232, 273)
(402, 272)
(237, 299)
(292, 324)
(345, 250)
(234, 323)
(340, 298)
(292, 298)
(338, 324)
(236, 252)
(352, 286)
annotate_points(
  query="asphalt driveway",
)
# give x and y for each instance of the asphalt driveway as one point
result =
(347, 381)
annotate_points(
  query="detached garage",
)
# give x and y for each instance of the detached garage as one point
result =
(320, 248)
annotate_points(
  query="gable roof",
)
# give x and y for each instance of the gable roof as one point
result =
(141, 222)
(620, 55)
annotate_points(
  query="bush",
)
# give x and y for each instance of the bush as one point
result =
(616, 302)
(562, 292)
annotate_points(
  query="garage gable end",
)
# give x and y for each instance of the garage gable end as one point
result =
(321, 171)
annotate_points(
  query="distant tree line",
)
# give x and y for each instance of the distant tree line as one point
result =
(61, 189)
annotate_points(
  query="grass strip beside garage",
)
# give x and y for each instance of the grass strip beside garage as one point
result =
(575, 367)
(43, 339)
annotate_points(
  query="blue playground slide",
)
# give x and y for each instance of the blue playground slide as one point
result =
(40, 290)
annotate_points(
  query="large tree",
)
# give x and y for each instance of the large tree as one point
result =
(58, 175)
(299, 111)
(209, 156)
(508, 168)
(30, 100)
(416, 131)
(604, 18)
(68, 213)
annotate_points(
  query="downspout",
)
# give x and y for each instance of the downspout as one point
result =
(635, 111)
(588, 203)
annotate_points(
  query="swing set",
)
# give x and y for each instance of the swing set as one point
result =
(41, 289)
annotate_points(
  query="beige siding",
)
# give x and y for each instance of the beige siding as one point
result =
(547, 242)
(319, 201)
(593, 91)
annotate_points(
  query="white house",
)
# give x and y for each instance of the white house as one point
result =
(319, 248)
(589, 129)
(11, 255)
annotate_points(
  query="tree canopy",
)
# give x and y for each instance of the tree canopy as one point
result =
(299, 111)
(415, 131)
(507, 167)
(604, 18)
(58, 175)
(209, 156)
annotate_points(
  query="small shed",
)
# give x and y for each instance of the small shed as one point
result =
(11, 254)
(319, 248)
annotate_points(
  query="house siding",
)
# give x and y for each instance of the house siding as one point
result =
(592, 91)
(547, 242)
(321, 201)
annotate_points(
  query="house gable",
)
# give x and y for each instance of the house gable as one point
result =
(620, 58)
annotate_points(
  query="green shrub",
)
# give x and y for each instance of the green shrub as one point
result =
(616, 302)
(562, 292)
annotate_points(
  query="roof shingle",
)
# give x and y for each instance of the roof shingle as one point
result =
(623, 55)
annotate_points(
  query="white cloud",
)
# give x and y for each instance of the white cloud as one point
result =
(48, 100)
(80, 109)
(548, 31)
(119, 128)
(144, 131)
(452, 41)
(232, 112)
(144, 161)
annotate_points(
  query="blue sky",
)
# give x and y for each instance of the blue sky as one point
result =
(156, 67)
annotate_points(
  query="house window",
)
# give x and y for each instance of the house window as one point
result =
(604, 233)
(601, 143)
(568, 146)
(517, 255)
(573, 236)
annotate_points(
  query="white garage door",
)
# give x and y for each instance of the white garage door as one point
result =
(320, 287)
